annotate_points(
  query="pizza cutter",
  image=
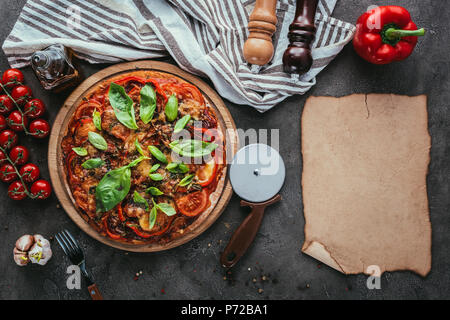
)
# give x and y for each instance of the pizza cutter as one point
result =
(257, 174)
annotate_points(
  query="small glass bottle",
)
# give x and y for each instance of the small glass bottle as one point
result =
(54, 68)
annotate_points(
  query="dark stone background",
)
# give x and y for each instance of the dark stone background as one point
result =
(192, 271)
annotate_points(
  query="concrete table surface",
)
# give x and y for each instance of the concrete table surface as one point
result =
(192, 271)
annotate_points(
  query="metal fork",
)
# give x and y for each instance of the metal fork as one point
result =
(72, 249)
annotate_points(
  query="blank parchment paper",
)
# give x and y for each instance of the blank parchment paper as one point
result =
(365, 161)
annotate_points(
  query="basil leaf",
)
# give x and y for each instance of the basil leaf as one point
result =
(156, 177)
(192, 148)
(113, 188)
(97, 140)
(136, 162)
(157, 154)
(122, 105)
(154, 167)
(166, 208)
(171, 109)
(181, 123)
(152, 217)
(154, 191)
(137, 198)
(80, 151)
(93, 163)
(139, 147)
(186, 180)
(182, 168)
(96, 118)
(174, 167)
(148, 103)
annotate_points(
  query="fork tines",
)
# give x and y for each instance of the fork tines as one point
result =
(70, 246)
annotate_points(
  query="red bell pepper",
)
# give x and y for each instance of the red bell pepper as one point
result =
(108, 232)
(386, 34)
(136, 230)
(120, 212)
(72, 177)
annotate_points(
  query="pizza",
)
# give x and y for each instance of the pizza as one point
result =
(143, 157)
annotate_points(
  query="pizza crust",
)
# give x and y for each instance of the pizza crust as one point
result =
(365, 161)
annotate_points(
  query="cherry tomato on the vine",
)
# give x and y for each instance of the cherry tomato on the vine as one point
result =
(21, 93)
(6, 104)
(29, 172)
(34, 108)
(14, 121)
(39, 128)
(2, 157)
(7, 173)
(8, 139)
(19, 155)
(12, 78)
(16, 191)
(2, 123)
(41, 189)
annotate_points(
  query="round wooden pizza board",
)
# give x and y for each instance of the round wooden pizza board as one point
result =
(56, 166)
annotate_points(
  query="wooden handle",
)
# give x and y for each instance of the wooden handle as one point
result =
(94, 292)
(297, 57)
(258, 49)
(243, 236)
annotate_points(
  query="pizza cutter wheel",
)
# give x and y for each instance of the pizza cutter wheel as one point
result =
(257, 174)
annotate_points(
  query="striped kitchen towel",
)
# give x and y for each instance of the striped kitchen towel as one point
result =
(205, 37)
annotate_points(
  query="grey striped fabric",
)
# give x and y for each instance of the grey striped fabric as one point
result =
(205, 37)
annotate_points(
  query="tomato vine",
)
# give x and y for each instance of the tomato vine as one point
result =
(14, 92)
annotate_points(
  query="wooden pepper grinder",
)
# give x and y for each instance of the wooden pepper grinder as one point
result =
(258, 49)
(297, 58)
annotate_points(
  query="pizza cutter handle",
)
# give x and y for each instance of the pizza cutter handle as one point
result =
(244, 235)
(94, 292)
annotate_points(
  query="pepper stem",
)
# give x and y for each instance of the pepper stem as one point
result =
(394, 34)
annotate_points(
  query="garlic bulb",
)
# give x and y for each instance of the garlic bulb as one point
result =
(32, 248)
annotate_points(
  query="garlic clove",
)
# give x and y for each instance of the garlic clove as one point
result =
(40, 240)
(40, 253)
(25, 242)
(20, 257)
